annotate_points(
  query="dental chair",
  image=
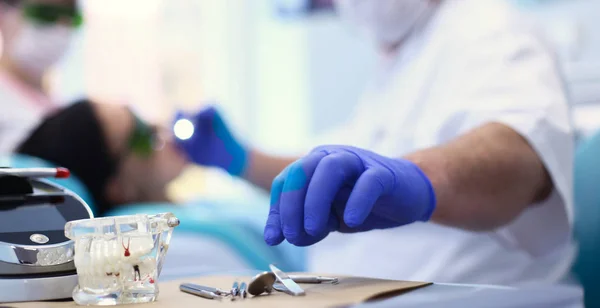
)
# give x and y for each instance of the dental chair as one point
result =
(587, 217)
(214, 235)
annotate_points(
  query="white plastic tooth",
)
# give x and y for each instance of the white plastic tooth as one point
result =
(105, 253)
(115, 261)
(117, 250)
(85, 268)
(112, 249)
(114, 256)
(122, 244)
(106, 249)
(89, 267)
(93, 254)
(101, 256)
(97, 264)
(92, 259)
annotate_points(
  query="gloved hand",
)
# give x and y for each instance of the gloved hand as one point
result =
(345, 189)
(212, 144)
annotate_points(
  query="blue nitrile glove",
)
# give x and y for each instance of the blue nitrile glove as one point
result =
(345, 189)
(212, 144)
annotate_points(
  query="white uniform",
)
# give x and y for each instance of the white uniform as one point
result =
(22, 110)
(475, 61)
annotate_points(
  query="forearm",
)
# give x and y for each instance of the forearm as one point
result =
(263, 168)
(485, 178)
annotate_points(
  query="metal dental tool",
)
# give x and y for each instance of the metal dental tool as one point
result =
(235, 290)
(206, 288)
(279, 287)
(243, 290)
(261, 283)
(187, 288)
(293, 288)
(313, 279)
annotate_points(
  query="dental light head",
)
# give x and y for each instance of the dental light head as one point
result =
(183, 129)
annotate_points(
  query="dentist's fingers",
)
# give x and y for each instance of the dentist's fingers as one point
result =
(273, 234)
(333, 172)
(292, 197)
(368, 189)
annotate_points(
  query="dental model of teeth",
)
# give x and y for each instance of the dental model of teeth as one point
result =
(119, 259)
(104, 263)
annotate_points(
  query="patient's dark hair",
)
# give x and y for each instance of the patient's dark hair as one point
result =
(73, 138)
(11, 2)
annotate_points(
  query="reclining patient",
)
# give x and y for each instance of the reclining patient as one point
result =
(117, 156)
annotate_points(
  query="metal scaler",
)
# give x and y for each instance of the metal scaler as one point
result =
(314, 279)
(191, 289)
(206, 288)
(243, 290)
(235, 289)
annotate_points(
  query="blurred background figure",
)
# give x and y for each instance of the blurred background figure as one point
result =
(120, 158)
(34, 35)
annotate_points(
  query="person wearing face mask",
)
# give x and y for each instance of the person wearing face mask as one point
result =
(34, 35)
(457, 163)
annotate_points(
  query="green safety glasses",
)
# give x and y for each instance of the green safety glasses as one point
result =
(49, 14)
(143, 138)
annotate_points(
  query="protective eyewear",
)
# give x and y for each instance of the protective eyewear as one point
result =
(144, 139)
(49, 14)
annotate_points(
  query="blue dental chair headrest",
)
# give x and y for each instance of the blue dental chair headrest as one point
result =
(587, 217)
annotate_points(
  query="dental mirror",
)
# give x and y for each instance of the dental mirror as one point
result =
(261, 283)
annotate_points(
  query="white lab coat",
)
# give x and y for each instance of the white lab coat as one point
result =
(476, 61)
(22, 109)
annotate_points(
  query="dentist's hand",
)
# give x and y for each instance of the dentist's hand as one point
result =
(345, 189)
(212, 144)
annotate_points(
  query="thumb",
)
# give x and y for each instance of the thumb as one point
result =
(201, 122)
(207, 113)
(179, 114)
(203, 114)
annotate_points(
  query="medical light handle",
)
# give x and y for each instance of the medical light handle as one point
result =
(59, 173)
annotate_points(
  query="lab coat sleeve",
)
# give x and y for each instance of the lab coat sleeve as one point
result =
(511, 78)
(349, 132)
(340, 134)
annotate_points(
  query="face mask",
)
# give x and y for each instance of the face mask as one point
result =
(386, 21)
(38, 47)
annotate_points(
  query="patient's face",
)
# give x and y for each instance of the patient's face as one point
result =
(148, 157)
